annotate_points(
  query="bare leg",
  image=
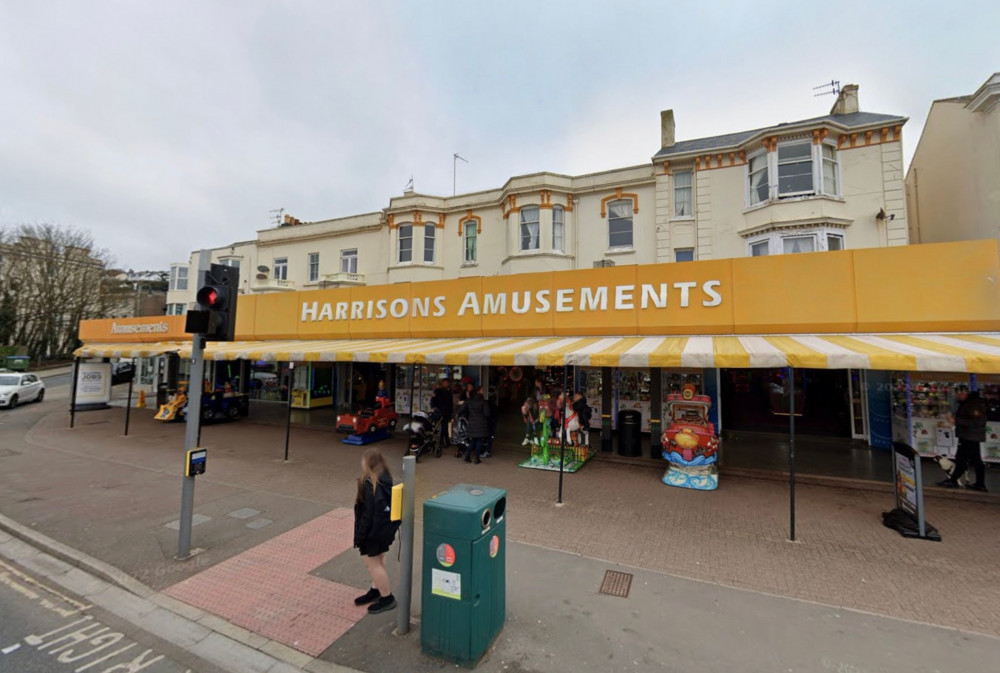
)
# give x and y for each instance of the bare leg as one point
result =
(380, 578)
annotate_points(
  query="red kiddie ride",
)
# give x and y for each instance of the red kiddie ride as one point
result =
(383, 416)
(690, 433)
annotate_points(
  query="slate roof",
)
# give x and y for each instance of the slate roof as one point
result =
(730, 140)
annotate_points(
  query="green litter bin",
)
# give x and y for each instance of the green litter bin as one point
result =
(464, 582)
(18, 363)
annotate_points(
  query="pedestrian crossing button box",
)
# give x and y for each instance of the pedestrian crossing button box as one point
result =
(464, 578)
(195, 462)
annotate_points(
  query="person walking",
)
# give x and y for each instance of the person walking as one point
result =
(970, 428)
(583, 413)
(476, 411)
(491, 419)
(444, 404)
(374, 532)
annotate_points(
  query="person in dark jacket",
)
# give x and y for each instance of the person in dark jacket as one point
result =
(583, 413)
(970, 428)
(374, 532)
(477, 412)
(444, 403)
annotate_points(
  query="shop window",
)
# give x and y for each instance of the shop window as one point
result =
(684, 255)
(558, 229)
(178, 278)
(469, 238)
(281, 268)
(349, 261)
(683, 197)
(529, 228)
(430, 232)
(405, 252)
(620, 224)
(313, 266)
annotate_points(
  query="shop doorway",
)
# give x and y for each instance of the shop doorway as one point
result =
(760, 400)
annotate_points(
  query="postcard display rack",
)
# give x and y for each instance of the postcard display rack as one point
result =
(921, 404)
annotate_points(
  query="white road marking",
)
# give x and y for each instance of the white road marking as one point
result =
(10, 648)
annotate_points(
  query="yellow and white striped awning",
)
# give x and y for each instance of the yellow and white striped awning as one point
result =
(974, 353)
(129, 350)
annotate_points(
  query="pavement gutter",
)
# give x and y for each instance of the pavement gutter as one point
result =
(208, 636)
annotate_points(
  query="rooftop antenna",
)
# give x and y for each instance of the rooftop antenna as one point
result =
(409, 186)
(830, 88)
(276, 215)
(454, 168)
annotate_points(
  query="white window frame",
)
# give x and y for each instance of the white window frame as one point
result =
(631, 220)
(177, 277)
(313, 266)
(558, 229)
(690, 189)
(778, 163)
(282, 264)
(836, 168)
(767, 174)
(430, 235)
(470, 233)
(776, 239)
(350, 256)
(772, 164)
(408, 227)
(789, 236)
(521, 222)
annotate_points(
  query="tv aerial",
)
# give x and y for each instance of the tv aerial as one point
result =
(830, 88)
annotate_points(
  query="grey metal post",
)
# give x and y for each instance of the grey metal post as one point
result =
(562, 429)
(791, 455)
(288, 416)
(406, 545)
(72, 392)
(191, 441)
(128, 405)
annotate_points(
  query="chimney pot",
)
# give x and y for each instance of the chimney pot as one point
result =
(666, 129)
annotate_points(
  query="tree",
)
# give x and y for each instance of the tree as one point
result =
(51, 278)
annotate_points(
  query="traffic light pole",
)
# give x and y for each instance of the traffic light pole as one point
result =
(195, 383)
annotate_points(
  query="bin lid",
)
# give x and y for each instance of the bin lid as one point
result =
(19, 357)
(461, 511)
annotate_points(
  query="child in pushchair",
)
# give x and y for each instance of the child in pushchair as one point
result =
(423, 429)
(460, 435)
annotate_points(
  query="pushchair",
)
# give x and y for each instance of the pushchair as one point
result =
(460, 434)
(423, 429)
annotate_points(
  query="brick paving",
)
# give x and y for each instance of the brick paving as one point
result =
(621, 513)
(268, 590)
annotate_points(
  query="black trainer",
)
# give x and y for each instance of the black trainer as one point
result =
(383, 604)
(369, 597)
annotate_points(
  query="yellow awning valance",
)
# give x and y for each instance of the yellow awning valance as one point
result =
(973, 353)
(129, 350)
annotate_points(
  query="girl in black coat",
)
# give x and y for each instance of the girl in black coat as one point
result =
(477, 411)
(373, 531)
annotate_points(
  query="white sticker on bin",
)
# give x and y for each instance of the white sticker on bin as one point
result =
(446, 584)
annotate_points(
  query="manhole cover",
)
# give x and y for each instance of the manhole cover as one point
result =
(616, 583)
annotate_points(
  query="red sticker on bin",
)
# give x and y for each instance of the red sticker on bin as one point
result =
(446, 555)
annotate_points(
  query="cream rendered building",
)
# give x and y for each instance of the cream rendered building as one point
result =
(953, 183)
(815, 184)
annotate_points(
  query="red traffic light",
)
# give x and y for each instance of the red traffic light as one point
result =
(209, 298)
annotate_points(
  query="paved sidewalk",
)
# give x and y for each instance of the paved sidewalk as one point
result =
(206, 636)
(92, 489)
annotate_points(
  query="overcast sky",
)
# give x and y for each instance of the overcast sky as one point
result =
(162, 127)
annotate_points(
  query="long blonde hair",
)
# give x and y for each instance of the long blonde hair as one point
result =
(375, 466)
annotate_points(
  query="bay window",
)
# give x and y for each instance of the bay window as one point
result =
(757, 169)
(795, 244)
(820, 238)
(620, 224)
(404, 253)
(760, 248)
(529, 228)
(558, 229)
(795, 169)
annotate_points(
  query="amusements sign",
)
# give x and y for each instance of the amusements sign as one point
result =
(93, 384)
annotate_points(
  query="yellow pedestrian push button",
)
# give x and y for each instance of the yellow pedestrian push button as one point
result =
(396, 508)
(194, 462)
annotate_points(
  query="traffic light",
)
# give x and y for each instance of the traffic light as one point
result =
(216, 300)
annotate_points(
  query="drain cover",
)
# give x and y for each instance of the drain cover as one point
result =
(616, 583)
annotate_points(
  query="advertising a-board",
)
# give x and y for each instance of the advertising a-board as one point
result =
(93, 384)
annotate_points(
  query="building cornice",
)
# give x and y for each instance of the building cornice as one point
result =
(987, 97)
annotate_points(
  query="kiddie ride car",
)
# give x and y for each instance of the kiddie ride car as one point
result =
(690, 443)
(219, 404)
(370, 424)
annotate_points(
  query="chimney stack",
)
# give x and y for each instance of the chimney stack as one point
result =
(666, 129)
(847, 101)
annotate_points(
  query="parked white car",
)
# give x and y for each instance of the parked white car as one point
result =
(16, 387)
